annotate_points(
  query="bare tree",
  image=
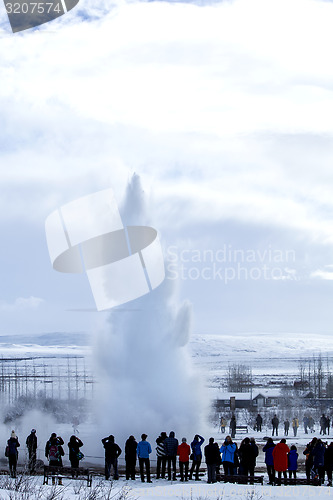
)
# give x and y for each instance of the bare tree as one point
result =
(239, 378)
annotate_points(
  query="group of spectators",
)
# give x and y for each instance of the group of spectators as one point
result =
(168, 448)
(308, 423)
(279, 458)
(53, 451)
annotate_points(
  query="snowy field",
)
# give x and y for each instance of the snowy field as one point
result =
(269, 355)
(159, 489)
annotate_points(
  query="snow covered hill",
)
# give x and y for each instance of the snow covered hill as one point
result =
(271, 356)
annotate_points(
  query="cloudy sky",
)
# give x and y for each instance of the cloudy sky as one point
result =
(224, 109)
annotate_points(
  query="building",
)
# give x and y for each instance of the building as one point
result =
(254, 400)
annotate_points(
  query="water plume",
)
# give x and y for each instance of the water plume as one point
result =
(145, 377)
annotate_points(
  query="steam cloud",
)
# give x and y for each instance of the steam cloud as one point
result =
(146, 381)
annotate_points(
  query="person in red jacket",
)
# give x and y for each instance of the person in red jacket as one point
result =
(280, 459)
(183, 452)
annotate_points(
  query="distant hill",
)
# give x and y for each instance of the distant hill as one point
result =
(47, 339)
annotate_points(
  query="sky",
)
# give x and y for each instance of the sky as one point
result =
(224, 110)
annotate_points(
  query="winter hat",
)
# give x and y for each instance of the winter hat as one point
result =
(183, 440)
(13, 435)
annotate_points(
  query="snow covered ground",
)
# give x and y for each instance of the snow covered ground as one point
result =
(161, 489)
(268, 354)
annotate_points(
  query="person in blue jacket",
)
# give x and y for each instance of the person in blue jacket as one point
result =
(197, 456)
(228, 449)
(143, 451)
(292, 461)
(268, 450)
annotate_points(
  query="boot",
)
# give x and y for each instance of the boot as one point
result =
(60, 481)
(53, 480)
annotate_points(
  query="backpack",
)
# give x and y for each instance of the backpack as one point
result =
(53, 452)
(12, 447)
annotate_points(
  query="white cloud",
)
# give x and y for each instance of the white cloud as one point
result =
(229, 68)
(21, 303)
(224, 110)
(326, 274)
(213, 88)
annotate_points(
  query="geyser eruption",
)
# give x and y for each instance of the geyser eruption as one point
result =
(145, 379)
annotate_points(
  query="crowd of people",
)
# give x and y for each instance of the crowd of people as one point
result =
(53, 451)
(235, 460)
(308, 424)
(280, 459)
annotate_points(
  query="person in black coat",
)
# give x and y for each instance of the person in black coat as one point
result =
(12, 453)
(232, 426)
(309, 457)
(322, 424)
(54, 450)
(74, 446)
(130, 457)
(171, 448)
(255, 453)
(318, 453)
(112, 452)
(275, 424)
(247, 454)
(213, 459)
(31, 443)
(259, 422)
(286, 427)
